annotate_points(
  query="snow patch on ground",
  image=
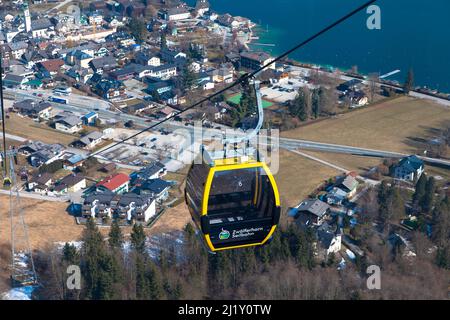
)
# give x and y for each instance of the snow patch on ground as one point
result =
(22, 293)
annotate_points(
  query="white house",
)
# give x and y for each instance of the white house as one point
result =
(329, 242)
(70, 124)
(176, 14)
(409, 168)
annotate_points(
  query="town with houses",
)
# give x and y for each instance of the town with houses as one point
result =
(89, 74)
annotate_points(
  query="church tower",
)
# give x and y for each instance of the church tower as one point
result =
(26, 12)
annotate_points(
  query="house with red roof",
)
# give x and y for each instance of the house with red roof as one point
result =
(118, 183)
(51, 66)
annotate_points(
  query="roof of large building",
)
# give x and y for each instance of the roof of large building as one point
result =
(70, 121)
(69, 181)
(41, 178)
(115, 181)
(52, 65)
(314, 206)
(41, 24)
(410, 163)
(257, 56)
(349, 182)
(156, 186)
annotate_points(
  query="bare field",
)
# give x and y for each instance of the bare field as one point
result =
(298, 177)
(390, 126)
(47, 222)
(349, 162)
(27, 128)
(174, 219)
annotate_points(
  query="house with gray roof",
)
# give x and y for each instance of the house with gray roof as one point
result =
(17, 49)
(33, 109)
(89, 140)
(14, 81)
(40, 153)
(311, 212)
(126, 206)
(349, 184)
(70, 124)
(70, 183)
(106, 63)
(409, 168)
(42, 28)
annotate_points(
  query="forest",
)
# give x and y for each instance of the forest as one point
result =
(286, 268)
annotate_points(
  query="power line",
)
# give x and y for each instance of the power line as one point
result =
(242, 79)
(3, 115)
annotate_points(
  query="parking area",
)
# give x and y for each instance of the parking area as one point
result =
(174, 150)
(284, 91)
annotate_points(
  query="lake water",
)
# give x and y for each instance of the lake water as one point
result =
(414, 34)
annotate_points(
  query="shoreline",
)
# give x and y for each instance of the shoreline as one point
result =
(255, 32)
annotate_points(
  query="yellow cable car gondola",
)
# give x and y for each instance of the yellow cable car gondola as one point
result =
(232, 195)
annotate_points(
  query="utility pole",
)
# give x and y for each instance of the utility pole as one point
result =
(23, 272)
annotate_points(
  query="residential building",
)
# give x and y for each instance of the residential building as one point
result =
(103, 64)
(172, 56)
(70, 124)
(158, 188)
(256, 60)
(336, 196)
(14, 81)
(202, 7)
(17, 49)
(40, 182)
(79, 59)
(90, 118)
(132, 205)
(175, 14)
(127, 206)
(70, 184)
(146, 59)
(50, 67)
(409, 168)
(153, 171)
(348, 183)
(118, 183)
(109, 89)
(33, 109)
(329, 242)
(88, 141)
(42, 28)
(311, 212)
(40, 153)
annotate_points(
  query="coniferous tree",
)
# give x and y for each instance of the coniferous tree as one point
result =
(138, 238)
(426, 202)
(441, 223)
(138, 29)
(70, 254)
(99, 267)
(154, 282)
(163, 44)
(420, 189)
(115, 235)
(300, 107)
(188, 77)
(142, 287)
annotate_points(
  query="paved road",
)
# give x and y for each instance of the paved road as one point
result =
(292, 144)
(99, 106)
(36, 196)
(59, 5)
(13, 137)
